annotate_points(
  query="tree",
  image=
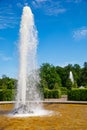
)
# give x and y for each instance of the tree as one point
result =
(77, 74)
(69, 84)
(49, 76)
(83, 78)
(60, 71)
(8, 83)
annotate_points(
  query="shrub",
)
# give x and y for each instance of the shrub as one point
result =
(54, 93)
(64, 90)
(77, 94)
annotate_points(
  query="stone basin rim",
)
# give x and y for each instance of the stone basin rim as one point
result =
(48, 102)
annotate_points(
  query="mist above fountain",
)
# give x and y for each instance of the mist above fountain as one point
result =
(28, 98)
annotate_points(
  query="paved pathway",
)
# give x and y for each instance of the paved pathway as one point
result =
(62, 99)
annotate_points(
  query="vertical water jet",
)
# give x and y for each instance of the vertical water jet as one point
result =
(29, 97)
(28, 94)
(71, 76)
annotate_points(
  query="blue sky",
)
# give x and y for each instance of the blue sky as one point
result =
(62, 32)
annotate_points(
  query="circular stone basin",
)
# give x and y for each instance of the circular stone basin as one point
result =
(65, 117)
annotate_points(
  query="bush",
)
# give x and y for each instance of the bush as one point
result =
(54, 93)
(64, 90)
(77, 94)
(6, 95)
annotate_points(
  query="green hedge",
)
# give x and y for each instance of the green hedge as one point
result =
(64, 90)
(55, 93)
(77, 94)
(6, 95)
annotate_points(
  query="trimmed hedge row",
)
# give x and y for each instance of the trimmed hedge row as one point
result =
(6, 95)
(55, 93)
(77, 94)
(64, 90)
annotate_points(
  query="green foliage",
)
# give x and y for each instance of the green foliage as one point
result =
(77, 94)
(64, 90)
(53, 78)
(6, 82)
(6, 95)
(77, 74)
(80, 75)
(69, 84)
(55, 93)
(56, 86)
(83, 77)
(74, 85)
(49, 77)
(62, 74)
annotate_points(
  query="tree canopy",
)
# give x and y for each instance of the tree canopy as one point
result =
(54, 77)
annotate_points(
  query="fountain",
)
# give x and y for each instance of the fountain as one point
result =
(28, 98)
(71, 77)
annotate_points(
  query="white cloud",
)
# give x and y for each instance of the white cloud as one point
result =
(80, 33)
(40, 3)
(41, 0)
(49, 7)
(8, 19)
(56, 11)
